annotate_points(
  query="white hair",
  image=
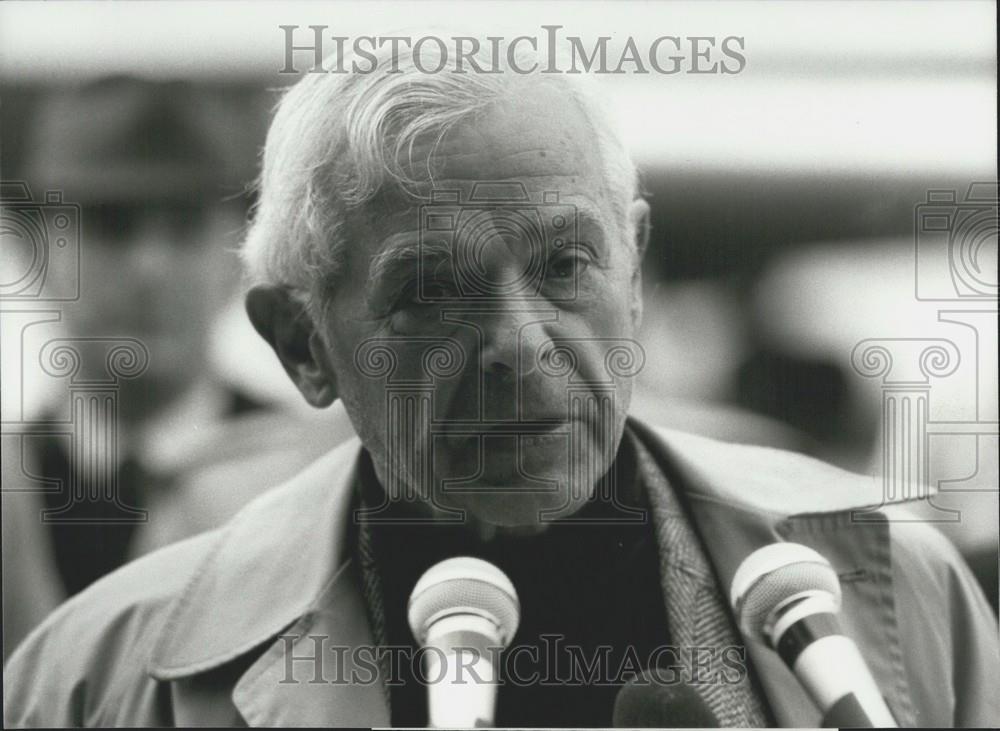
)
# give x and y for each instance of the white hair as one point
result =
(337, 139)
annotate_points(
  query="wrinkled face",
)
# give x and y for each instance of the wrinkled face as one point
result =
(481, 337)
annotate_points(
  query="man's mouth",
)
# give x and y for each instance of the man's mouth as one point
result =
(525, 427)
(508, 435)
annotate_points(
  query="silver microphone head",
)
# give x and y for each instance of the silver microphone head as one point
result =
(772, 577)
(464, 585)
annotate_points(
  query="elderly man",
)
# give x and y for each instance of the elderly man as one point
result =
(457, 257)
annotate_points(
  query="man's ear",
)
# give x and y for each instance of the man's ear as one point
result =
(287, 326)
(638, 218)
(638, 215)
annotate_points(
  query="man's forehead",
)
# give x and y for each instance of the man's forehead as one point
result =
(454, 196)
(542, 131)
(542, 142)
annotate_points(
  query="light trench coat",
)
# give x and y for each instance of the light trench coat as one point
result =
(159, 642)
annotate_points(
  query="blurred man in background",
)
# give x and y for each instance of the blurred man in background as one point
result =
(158, 188)
(150, 173)
(159, 170)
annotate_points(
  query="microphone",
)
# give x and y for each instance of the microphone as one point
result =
(788, 596)
(645, 702)
(461, 611)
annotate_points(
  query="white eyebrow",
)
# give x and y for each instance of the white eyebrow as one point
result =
(405, 256)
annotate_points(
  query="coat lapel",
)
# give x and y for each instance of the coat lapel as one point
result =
(314, 675)
(743, 498)
(268, 566)
(280, 577)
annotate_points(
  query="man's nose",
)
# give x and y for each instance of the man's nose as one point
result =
(513, 341)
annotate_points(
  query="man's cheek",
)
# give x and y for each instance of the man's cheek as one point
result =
(372, 407)
(595, 323)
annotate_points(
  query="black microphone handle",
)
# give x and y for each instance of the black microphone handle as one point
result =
(847, 713)
(645, 702)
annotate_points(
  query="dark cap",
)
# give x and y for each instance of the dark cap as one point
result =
(123, 139)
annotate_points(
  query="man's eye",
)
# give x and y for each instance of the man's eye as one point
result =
(435, 290)
(569, 266)
(420, 295)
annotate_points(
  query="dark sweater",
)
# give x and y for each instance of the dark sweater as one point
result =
(580, 586)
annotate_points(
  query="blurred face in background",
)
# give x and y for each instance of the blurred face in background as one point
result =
(157, 271)
(149, 164)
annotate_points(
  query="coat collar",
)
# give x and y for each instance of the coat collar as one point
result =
(279, 569)
(742, 498)
(268, 567)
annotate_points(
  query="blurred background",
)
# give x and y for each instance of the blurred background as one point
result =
(789, 208)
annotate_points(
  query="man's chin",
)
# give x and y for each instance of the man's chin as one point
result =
(518, 461)
(522, 483)
(518, 510)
